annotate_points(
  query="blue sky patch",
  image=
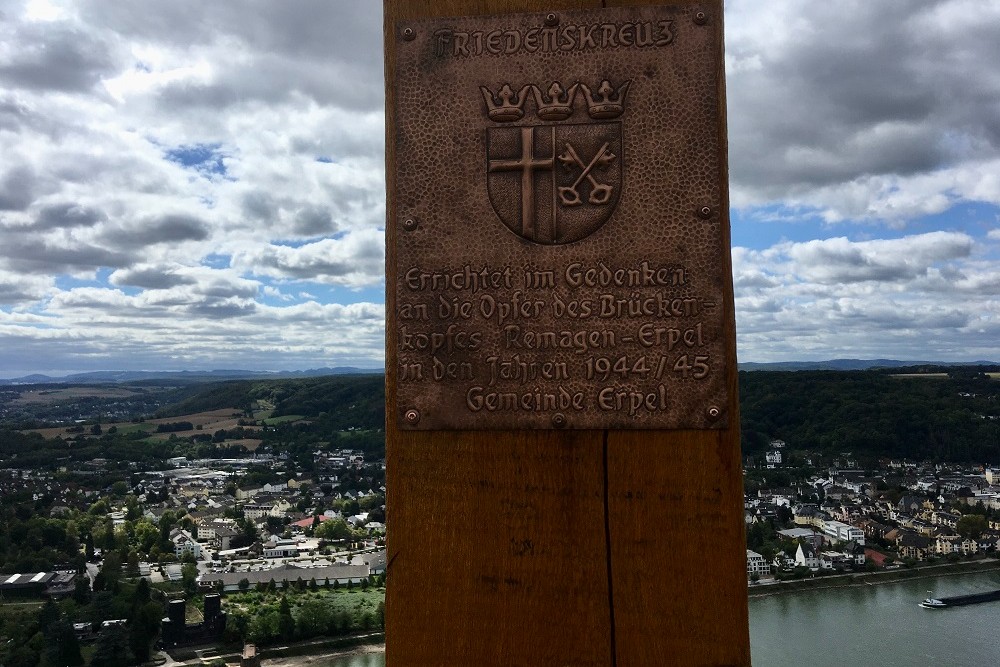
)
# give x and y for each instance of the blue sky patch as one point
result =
(203, 158)
(217, 261)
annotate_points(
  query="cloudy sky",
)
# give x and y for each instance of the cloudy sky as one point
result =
(196, 185)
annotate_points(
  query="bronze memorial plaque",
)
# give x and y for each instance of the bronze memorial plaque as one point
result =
(561, 213)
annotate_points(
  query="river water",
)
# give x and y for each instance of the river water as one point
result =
(879, 625)
(875, 625)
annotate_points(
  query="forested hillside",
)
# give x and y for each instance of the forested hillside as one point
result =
(944, 414)
(340, 402)
(940, 416)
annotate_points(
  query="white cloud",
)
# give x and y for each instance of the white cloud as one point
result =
(863, 110)
(184, 183)
(925, 297)
(355, 260)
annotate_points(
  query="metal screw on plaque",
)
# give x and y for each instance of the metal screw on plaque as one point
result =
(701, 18)
(409, 34)
(410, 224)
(551, 20)
(705, 212)
(412, 417)
(559, 420)
(714, 412)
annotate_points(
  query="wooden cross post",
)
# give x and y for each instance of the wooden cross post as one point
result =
(564, 483)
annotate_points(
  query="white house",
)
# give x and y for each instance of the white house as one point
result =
(842, 532)
(184, 543)
(254, 511)
(278, 547)
(756, 565)
(286, 575)
(805, 556)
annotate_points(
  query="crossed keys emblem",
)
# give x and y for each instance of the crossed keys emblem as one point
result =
(554, 184)
(600, 193)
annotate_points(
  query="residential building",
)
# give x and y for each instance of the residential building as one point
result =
(285, 575)
(806, 556)
(185, 543)
(278, 547)
(842, 532)
(756, 564)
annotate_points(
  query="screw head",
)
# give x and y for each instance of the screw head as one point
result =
(705, 212)
(410, 224)
(412, 416)
(409, 34)
(551, 20)
(714, 412)
(559, 420)
(701, 18)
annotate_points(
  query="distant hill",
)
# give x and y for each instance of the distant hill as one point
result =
(184, 377)
(853, 364)
(951, 415)
(189, 377)
(338, 402)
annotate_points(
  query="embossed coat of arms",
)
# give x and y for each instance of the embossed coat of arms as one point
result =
(554, 177)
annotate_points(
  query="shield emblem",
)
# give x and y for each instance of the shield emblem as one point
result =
(554, 184)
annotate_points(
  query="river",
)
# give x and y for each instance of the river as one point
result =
(877, 625)
(880, 625)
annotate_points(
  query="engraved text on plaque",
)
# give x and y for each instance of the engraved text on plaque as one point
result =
(559, 245)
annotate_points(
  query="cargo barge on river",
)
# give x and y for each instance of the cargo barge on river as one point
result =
(960, 600)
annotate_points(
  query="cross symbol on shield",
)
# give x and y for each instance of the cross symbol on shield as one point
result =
(554, 184)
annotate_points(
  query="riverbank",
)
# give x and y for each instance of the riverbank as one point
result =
(295, 655)
(288, 655)
(323, 657)
(881, 624)
(872, 578)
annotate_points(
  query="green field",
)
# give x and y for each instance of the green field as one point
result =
(274, 421)
(136, 428)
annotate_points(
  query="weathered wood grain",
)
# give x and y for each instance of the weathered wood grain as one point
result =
(559, 547)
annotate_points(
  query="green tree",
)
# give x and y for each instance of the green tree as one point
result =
(112, 648)
(81, 590)
(263, 627)
(972, 526)
(189, 578)
(244, 584)
(237, 622)
(144, 625)
(286, 624)
(111, 568)
(132, 565)
(62, 649)
(145, 535)
(312, 618)
(142, 593)
(333, 529)
(166, 524)
(47, 615)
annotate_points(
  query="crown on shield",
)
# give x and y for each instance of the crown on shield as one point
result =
(608, 103)
(505, 106)
(557, 104)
